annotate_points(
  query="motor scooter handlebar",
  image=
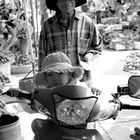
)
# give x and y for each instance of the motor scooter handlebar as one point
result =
(24, 97)
(18, 101)
(14, 92)
(130, 107)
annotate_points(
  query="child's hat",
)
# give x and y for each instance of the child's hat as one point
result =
(57, 62)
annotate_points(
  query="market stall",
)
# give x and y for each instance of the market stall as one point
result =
(107, 74)
(120, 29)
(17, 47)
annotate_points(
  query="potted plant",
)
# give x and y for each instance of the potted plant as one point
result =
(136, 36)
(22, 64)
(5, 61)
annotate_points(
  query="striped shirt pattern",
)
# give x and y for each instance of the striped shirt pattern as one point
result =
(80, 38)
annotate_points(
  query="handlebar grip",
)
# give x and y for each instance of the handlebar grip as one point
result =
(131, 107)
(19, 93)
(23, 94)
(123, 89)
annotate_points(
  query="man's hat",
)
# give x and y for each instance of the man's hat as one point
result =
(51, 4)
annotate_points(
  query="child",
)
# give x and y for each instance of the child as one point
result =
(57, 70)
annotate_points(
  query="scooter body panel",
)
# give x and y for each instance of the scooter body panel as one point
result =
(53, 131)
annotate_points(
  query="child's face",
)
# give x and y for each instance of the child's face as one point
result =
(57, 79)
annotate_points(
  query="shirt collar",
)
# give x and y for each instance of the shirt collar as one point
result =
(77, 14)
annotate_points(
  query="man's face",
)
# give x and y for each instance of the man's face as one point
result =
(66, 6)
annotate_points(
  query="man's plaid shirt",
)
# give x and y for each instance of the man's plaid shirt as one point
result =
(76, 41)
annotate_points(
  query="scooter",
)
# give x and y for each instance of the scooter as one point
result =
(70, 114)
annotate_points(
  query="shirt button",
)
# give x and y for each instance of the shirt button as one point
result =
(69, 43)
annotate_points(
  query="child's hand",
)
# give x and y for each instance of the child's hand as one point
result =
(16, 92)
(13, 92)
(96, 91)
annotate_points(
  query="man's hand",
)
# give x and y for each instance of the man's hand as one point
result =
(90, 57)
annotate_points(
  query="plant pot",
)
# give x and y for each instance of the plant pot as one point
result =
(5, 68)
(10, 128)
(137, 45)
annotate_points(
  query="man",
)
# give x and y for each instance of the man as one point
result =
(71, 32)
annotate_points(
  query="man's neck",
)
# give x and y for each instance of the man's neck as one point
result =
(67, 18)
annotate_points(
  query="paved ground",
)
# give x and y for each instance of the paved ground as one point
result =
(107, 74)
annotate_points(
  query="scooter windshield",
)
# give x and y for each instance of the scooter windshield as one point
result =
(73, 111)
(41, 108)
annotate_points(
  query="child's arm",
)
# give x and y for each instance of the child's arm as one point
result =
(16, 92)
(22, 95)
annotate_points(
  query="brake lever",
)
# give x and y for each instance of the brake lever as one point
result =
(19, 101)
(3, 110)
(115, 97)
(2, 104)
(119, 94)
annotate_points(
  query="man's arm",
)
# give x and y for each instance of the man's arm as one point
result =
(42, 45)
(96, 40)
(95, 48)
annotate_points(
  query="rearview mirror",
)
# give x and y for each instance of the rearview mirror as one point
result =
(134, 86)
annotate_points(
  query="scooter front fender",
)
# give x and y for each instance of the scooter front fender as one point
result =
(52, 131)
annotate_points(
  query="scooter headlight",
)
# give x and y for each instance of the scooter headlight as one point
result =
(74, 112)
